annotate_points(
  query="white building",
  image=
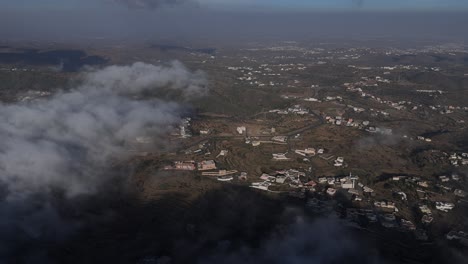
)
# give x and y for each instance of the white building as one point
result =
(241, 130)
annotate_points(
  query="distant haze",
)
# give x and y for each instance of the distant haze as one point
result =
(141, 20)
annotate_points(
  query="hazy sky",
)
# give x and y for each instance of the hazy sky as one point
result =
(143, 20)
(262, 4)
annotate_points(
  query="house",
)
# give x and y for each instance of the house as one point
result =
(423, 184)
(331, 191)
(311, 183)
(219, 173)
(204, 132)
(427, 219)
(425, 210)
(306, 152)
(385, 205)
(241, 130)
(444, 207)
(339, 162)
(281, 139)
(261, 185)
(207, 165)
(460, 193)
(348, 184)
(225, 178)
(407, 224)
(444, 178)
(222, 153)
(280, 157)
(281, 179)
(264, 176)
(243, 176)
(322, 180)
(184, 165)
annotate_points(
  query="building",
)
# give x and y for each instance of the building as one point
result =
(339, 162)
(306, 152)
(444, 207)
(425, 210)
(241, 130)
(280, 156)
(349, 184)
(183, 165)
(281, 139)
(331, 191)
(243, 176)
(427, 219)
(219, 173)
(207, 165)
(460, 193)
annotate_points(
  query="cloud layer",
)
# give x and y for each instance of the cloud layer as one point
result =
(67, 142)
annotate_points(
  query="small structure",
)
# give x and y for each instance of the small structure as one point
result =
(219, 173)
(241, 130)
(331, 191)
(444, 178)
(225, 178)
(281, 139)
(322, 180)
(207, 165)
(280, 157)
(444, 207)
(204, 132)
(424, 209)
(256, 143)
(306, 152)
(427, 219)
(261, 185)
(406, 224)
(182, 165)
(339, 162)
(222, 153)
(460, 193)
(243, 176)
(385, 205)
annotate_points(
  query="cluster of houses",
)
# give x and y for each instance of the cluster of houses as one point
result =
(309, 152)
(207, 168)
(458, 159)
(384, 213)
(349, 122)
(191, 165)
(290, 177)
(33, 95)
(296, 109)
(259, 76)
(400, 105)
(349, 183)
(339, 120)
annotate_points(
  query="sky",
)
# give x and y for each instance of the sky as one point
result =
(240, 20)
(347, 5)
